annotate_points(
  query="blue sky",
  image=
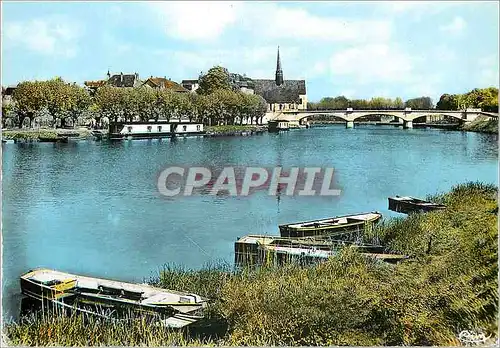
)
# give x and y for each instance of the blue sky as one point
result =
(357, 49)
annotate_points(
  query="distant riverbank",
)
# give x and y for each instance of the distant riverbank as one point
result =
(482, 124)
(235, 130)
(47, 133)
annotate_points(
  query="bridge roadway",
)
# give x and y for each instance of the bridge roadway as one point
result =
(407, 116)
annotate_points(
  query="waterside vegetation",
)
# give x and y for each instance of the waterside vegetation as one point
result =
(56, 103)
(449, 284)
(482, 124)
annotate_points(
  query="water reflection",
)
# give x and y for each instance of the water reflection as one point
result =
(94, 207)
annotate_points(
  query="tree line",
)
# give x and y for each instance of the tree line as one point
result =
(483, 98)
(56, 103)
(376, 103)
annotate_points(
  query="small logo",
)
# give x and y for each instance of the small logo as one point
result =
(243, 181)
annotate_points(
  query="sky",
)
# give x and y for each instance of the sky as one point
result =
(357, 49)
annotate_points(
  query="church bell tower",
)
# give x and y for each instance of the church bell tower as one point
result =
(279, 72)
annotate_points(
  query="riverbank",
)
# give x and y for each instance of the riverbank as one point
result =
(235, 130)
(36, 134)
(482, 124)
(449, 284)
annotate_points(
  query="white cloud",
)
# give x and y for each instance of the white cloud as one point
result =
(195, 20)
(488, 71)
(273, 21)
(44, 36)
(456, 26)
(371, 63)
(201, 21)
(257, 62)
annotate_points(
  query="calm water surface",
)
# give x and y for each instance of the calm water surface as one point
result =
(92, 207)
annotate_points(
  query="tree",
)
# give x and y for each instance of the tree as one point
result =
(421, 103)
(108, 100)
(398, 103)
(29, 97)
(447, 102)
(216, 78)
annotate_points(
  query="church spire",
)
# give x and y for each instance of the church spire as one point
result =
(279, 72)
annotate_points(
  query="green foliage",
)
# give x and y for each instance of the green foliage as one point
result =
(484, 98)
(376, 103)
(482, 124)
(61, 99)
(28, 135)
(215, 79)
(422, 103)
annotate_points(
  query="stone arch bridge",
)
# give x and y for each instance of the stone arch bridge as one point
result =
(407, 115)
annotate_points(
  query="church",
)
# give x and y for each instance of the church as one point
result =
(281, 94)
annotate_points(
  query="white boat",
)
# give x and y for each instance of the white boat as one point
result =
(159, 129)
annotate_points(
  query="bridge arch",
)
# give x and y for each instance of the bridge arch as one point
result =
(400, 116)
(338, 115)
(457, 116)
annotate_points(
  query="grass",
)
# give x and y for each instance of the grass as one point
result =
(28, 134)
(231, 128)
(36, 134)
(448, 285)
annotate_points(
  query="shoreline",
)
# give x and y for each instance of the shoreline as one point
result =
(346, 300)
(483, 125)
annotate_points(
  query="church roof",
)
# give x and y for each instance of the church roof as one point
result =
(288, 92)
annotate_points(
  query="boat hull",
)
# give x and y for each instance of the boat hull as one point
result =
(96, 296)
(255, 250)
(412, 205)
(349, 227)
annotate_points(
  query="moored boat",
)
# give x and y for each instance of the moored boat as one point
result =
(408, 205)
(257, 250)
(169, 308)
(331, 226)
(153, 129)
(277, 126)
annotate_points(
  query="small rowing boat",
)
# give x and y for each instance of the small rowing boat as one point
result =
(257, 250)
(409, 205)
(331, 226)
(169, 308)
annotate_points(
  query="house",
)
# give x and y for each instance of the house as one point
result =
(124, 80)
(117, 80)
(161, 83)
(190, 85)
(7, 94)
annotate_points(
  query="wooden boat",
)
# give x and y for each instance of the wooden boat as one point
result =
(91, 295)
(331, 226)
(409, 205)
(254, 250)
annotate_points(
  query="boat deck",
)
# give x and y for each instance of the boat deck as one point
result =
(144, 293)
(341, 220)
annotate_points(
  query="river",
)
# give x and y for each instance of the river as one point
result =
(92, 208)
